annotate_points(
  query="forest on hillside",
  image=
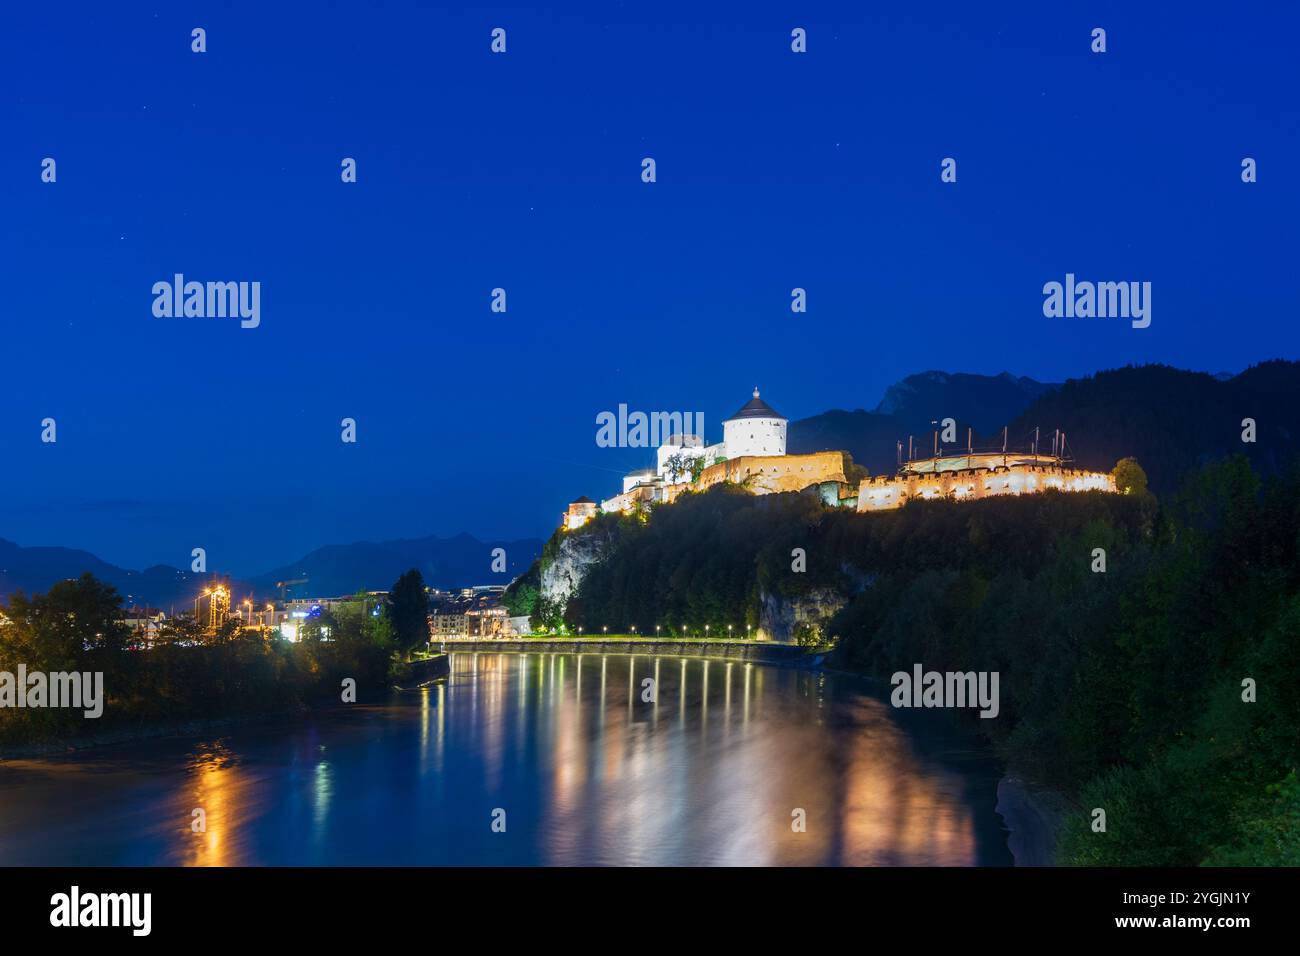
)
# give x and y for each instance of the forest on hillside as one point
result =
(1175, 421)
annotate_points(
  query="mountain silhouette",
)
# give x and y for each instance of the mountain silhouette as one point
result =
(456, 562)
(980, 403)
(331, 571)
(1172, 420)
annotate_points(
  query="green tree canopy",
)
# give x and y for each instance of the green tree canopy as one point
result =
(1129, 477)
(408, 610)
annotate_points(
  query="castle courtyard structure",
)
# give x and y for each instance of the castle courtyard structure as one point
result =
(971, 476)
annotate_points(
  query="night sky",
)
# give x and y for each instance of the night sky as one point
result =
(522, 171)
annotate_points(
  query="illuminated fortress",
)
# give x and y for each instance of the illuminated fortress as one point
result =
(974, 475)
(752, 454)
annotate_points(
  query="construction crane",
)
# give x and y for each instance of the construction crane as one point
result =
(284, 584)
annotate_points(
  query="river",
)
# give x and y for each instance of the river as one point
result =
(534, 759)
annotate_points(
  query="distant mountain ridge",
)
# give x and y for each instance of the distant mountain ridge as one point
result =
(333, 570)
(988, 402)
(1172, 420)
(456, 562)
(34, 569)
(982, 403)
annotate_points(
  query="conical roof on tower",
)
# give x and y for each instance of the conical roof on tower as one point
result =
(756, 408)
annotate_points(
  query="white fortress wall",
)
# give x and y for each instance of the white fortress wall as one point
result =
(760, 437)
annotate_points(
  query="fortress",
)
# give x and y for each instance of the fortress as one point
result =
(752, 454)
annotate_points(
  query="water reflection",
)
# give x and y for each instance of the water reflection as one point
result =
(596, 759)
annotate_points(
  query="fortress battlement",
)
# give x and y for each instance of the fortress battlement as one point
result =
(752, 454)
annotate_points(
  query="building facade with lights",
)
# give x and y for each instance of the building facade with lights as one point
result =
(752, 453)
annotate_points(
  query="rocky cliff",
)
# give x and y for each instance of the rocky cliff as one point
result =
(563, 571)
(780, 617)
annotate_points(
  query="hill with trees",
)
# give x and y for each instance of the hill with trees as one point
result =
(1174, 421)
(1121, 683)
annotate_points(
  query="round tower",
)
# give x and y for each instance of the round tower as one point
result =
(757, 429)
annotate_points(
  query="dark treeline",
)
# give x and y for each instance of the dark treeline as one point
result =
(1123, 688)
(1174, 421)
(188, 672)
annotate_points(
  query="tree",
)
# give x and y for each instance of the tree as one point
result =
(1129, 477)
(184, 630)
(521, 600)
(408, 610)
(56, 630)
(315, 629)
(362, 621)
(676, 465)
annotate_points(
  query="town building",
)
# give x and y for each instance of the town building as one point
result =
(145, 624)
(472, 614)
(580, 511)
(292, 616)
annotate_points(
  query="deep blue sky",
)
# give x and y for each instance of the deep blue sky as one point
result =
(523, 171)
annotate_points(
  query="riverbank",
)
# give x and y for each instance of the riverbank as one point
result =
(755, 652)
(1033, 817)
(421, 672)
(413, 675)
(123, 735)
(1032, 813)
